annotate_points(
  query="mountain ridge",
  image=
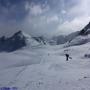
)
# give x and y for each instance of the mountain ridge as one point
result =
(16, 41)
(20, 39)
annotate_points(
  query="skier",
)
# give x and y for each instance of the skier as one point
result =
(67, 57)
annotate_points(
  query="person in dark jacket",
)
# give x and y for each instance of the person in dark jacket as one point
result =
(67, 57)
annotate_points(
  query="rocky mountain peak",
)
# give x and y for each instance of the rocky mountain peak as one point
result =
(85, 30)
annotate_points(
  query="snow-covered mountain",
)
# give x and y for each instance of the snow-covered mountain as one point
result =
(20, 40)
(58, 40)
(62, 39)
(17, 41)
(41, 39)
(85, 30)
(81, 37)
(75, 38)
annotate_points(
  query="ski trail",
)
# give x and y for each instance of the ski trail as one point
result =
(19, 73)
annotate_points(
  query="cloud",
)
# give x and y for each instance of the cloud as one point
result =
(41, 25)
(80, 9)
(38, 9)
(39, 17)
(12, 10)
(76, 17)
(63, 12)
(51, 19)
(71, 26)
(9, 28)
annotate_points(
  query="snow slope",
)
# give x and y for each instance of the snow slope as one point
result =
(79, 40)
(29, 40)
(45, 68)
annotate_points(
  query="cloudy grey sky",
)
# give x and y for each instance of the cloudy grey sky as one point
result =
(43, 17)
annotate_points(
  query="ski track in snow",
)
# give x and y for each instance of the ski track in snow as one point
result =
(46, 69)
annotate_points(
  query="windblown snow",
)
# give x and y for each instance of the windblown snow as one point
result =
(45, 68)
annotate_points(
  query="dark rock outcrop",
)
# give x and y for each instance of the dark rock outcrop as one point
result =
(13, 43)
(85, 30)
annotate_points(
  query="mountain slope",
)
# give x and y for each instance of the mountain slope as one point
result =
(50, 72)
(82, 37)
(75, 38)
(17, 41)
(85, 30)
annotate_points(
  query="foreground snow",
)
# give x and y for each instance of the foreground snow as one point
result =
(45, 68)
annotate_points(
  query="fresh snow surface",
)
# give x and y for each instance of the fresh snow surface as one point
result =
(46, 68)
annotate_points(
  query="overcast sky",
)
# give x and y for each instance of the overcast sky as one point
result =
(43, 17)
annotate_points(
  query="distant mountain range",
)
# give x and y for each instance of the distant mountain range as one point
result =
(75, 38)
(20, 40)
